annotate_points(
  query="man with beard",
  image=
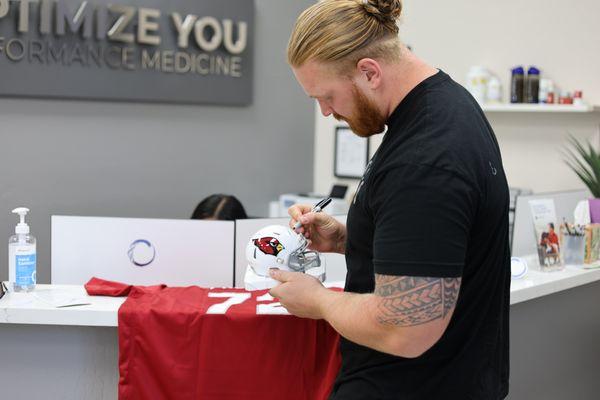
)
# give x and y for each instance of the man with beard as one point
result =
(424, 313)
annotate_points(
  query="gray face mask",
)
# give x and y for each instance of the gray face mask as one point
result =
(302, 260)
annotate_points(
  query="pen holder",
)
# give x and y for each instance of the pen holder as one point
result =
(573, 249)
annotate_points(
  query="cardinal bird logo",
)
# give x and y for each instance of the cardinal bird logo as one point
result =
(269, 245)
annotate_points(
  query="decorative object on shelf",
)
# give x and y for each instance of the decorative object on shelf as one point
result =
(494, 90)
(580, 244)
(584, 160)
(351, 154)
(573, 240)
(592, 246)
(543, 212)
(477, 83)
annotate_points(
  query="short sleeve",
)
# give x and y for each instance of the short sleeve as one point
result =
(423, 219)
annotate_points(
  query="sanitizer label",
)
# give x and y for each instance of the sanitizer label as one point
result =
(25, 266)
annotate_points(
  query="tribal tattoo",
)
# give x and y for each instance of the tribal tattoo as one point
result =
(414, 300)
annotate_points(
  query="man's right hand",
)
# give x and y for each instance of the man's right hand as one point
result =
(324, 233)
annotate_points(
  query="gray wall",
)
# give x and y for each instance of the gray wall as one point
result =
(59, 362)
(153, 160)
(555, 346)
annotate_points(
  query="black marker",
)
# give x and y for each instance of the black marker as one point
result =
(317, 208)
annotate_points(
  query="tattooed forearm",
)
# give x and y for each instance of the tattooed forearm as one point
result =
(451, 289)
(411, 300)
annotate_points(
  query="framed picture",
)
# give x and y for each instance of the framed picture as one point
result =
(351, 154)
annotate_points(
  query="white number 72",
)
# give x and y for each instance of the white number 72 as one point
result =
(234, 298)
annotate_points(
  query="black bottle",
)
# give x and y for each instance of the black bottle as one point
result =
(532, 85)
(517, 85)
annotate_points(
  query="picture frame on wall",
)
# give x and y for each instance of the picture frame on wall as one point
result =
(351, 154)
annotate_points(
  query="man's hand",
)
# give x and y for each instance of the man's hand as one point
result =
(299, 293)
(324, 233)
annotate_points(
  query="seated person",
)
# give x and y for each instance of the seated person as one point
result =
(220, 207)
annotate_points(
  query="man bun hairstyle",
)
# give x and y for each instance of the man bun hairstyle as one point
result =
(342, 32)
(386, 11)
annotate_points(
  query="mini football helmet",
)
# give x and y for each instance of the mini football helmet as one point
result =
(278, 246)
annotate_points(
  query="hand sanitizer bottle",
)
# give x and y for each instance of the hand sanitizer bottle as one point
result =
(22, 256)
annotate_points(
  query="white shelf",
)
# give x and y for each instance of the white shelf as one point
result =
(528, 108)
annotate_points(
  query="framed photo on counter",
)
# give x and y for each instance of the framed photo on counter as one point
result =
(351, 154)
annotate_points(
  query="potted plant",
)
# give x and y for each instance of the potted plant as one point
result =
(584, 160)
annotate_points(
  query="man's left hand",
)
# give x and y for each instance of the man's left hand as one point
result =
(299, 293)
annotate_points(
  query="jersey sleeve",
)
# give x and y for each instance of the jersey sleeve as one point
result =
(423, 218)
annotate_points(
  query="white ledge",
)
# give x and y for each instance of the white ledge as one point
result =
(537, 284)
(31, 308)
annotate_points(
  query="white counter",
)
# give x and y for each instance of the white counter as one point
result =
(36, 307)
(537, 283)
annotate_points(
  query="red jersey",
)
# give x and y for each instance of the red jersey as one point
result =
(219, 344)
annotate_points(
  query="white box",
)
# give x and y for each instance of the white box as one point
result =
(142, 251)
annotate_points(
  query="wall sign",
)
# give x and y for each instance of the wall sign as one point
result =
(189, 51)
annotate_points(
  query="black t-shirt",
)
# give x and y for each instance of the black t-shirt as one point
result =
(434, 202)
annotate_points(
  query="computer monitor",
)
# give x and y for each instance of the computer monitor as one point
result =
(338, 191)
(524, 241)
(142, 251)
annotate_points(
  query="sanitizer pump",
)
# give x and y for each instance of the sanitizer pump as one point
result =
(22, 256)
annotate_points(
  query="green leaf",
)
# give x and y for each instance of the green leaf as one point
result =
(576, 164)
(584, 160)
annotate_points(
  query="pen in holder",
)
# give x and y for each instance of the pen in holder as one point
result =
(573, 241)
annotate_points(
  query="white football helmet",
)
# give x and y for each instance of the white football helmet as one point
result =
(278, 246)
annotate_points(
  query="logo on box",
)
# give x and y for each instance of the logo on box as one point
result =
(141, 253)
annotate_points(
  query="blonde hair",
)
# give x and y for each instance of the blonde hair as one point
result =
(344, 31)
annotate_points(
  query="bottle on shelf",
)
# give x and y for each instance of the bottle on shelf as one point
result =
(578, 98)
(494, 90)
(477, 80)
(565, 98)
(517, 85)
(532, 85)
(546, 92)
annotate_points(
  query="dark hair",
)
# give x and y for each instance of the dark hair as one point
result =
(220, 206)
(551, 225)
